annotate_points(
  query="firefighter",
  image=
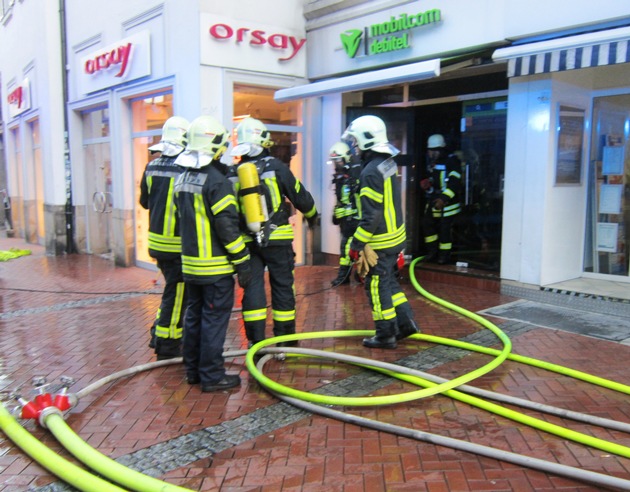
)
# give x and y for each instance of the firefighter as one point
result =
(442, 188)
(270, 240)
(212, 250)
(381, 230)
(346, 212)
(165, 244)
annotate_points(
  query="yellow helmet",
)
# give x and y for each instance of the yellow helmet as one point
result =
(207, 141)
(207, 135)
(174, 137)
(369, 133)
(340, 150)
(252, 137)
(251, 130)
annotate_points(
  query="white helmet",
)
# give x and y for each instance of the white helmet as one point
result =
(436, 142)
(174, 138)
(339, 151)
(207, 141)
(369, 133)
(252, 137)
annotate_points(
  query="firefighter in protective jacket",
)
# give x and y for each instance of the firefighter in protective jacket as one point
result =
(381, 229)
(346, 213)
(165, 244)
(442, 187)
(212, 250)
(270, 247)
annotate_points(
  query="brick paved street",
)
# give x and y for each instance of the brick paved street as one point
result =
(82, 317)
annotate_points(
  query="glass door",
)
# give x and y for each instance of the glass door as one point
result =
(98, 181)
(608, 211)
(38, 178)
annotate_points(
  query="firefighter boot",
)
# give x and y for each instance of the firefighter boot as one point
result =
(168, 348)
(343, 276)
(407, 329)
(432, 253)
(444, 258)
(380, 342)
(152, 336)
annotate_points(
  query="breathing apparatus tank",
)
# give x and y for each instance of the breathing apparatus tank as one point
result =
(253, 200)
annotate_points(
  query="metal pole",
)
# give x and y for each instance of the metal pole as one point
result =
(69, 209)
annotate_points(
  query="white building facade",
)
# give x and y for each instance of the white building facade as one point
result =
(534, 96)
(130, 66)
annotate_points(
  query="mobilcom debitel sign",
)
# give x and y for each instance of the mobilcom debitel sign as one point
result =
(387, 36)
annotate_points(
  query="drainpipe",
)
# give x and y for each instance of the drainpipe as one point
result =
(69, 210)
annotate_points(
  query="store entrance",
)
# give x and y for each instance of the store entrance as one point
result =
(98, 181)
(475, 131)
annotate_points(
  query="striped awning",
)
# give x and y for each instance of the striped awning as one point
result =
(586, 50)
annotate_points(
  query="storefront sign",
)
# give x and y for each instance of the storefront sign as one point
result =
(19, 99)
(289, 45)
(242, 44)
(126, 60)
(388, 36)
(116, 58)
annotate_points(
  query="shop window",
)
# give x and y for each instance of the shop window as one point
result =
(148, 113)
(38, 180)
(608, 210)
(17, 195)
(258, 102)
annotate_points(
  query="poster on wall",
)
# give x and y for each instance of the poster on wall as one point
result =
(607, 237)
(610, 198)
(569, 151)
(612, 161)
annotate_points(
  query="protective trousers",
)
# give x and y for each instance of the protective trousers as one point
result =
(347, 229)
(206, 323)
(280, 262)
(170, 316)
(437, 232)
(390, 307)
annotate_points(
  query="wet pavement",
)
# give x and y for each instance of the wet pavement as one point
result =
(82, 317)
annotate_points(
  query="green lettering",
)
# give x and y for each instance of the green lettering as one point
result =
(431, 16)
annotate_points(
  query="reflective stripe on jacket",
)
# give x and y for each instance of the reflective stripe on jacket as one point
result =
(381, 224)
(211, 240)
(279, 184)
(156, 195)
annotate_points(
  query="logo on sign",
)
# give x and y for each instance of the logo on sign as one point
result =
(117, 57)
(258, 37)
(388, 36)
(16, 96)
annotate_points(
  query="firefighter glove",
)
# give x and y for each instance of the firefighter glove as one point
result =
(313, 221)
(353, 254)
(438, 204)
(244, 273)
(367, 259)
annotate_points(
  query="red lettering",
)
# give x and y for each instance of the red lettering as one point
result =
(240, 34)
(124, 52)
(117, 56)
(258, 38)
(221, 31)
(278, 41)
(15, 97)
(114, 56)
(296, 45)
